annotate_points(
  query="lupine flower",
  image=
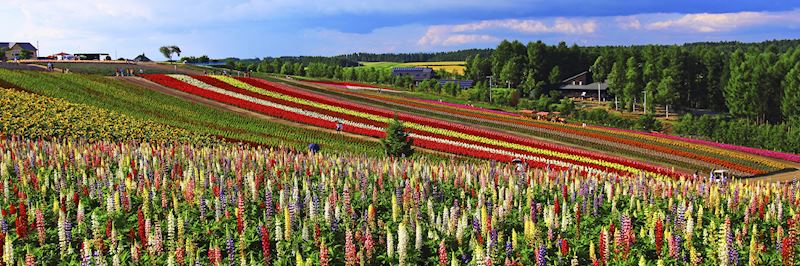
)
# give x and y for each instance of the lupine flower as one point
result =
(265, 248)
(540, 256)
(323, 254)
(389, 243)
(402, 243)
(369, 243)
(40, 226)
(442, 254)
(350, 255)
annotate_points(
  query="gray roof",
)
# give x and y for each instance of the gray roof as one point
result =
(593, 86)
(575, 76)
(24, 45)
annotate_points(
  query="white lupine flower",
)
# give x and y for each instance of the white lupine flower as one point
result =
(402, 243)
(418, 237)
(389, 243)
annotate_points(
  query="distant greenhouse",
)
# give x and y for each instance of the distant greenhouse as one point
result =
(416, 73)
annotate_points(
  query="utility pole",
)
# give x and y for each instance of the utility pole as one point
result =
(645, 101)
(490, 88)
(598, 93)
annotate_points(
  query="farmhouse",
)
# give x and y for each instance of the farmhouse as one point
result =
(15, 50)
(582, 85)
(141, 58)
(416, 73)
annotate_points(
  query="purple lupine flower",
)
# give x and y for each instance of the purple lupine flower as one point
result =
(540, 256)
(268, 204)
(202, 207)
(493, 237)
(231, 249)
(509, 248)
(68, 231)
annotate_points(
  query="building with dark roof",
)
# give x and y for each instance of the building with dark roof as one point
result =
(582, 85)
(461, 83)
(142, 58)
(416, 73)
(15, 49)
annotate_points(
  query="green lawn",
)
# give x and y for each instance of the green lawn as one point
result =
(142, 103)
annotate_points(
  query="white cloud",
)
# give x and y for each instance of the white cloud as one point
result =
(446, 35)
(724, 22)
(628, 23)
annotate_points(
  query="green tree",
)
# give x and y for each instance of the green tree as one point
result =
(790, 104)
(536, 53)
(616, 79)
(633, 81)
(512, 71)
(599, 69)
(397, 142)
(555, 76)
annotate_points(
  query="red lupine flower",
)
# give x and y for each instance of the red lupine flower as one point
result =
(265, 248)
(564, 247)
(142, 235)
(659, 232)
(22, 221)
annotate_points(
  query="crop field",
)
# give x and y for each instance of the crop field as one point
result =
(670, 151)
(456, 67)
(144, 104)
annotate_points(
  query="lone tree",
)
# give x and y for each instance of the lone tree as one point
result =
(397, 143)
(167, 51)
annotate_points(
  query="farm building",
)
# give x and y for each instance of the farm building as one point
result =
(93, 56)
(461, 83)
(582, 85)
(61, 56)
(416, 73)
(141, 58)
(15, 49)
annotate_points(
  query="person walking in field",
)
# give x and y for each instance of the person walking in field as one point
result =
(339, 126)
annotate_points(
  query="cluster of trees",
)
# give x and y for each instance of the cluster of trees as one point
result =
(460, 55)
(192, 59)
(602, 117)
(779, 137)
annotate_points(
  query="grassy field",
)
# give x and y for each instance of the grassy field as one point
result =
(456, 67)
(142, 103)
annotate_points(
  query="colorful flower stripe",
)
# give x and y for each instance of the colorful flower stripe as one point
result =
(345, 117)
(450, 129)
(767, 153)
(740, 152)
(663, 152)
(558, 127)
(199, 88)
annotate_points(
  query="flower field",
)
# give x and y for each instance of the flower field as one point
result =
(296, 105)
(682, 152)
(33, 116)
(138, 102)
(69, 202)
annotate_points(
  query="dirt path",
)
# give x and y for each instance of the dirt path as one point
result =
(221, 106)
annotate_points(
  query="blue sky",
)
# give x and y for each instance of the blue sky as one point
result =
(258, 28)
